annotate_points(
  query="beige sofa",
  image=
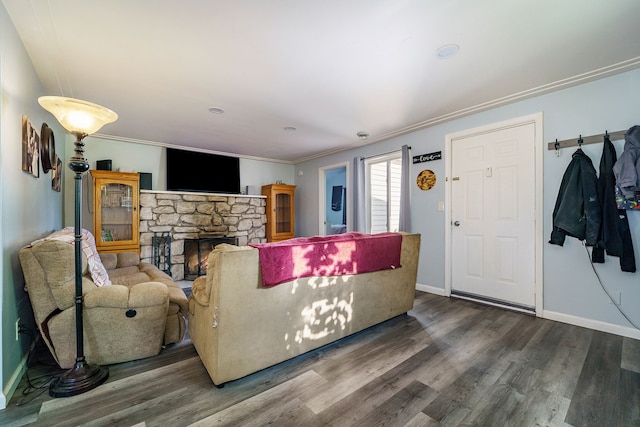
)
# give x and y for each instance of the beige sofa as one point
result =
(239, 327)
(131, 319)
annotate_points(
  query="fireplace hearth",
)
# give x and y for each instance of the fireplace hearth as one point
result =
(196, 254)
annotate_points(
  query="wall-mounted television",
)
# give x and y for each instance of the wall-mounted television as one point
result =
(202, 172)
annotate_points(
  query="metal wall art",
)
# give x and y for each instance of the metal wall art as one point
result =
(426, 180)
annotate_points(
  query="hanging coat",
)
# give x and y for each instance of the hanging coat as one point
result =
(627, 167)
(577, 211)
(615, 236)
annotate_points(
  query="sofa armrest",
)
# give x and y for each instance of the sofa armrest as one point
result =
(199, 291)
(147, 294)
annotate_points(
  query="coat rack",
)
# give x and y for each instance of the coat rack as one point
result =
(592, 139)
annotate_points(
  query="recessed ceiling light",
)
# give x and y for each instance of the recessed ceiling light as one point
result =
(216, 110)
(289, 128)
(447, 51)
(363, 135)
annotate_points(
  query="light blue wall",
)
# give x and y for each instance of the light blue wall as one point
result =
(570, 286)
(29, 208)
(257, 173)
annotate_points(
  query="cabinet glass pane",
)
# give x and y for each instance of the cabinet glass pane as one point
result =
(283, 213)
(116, 212)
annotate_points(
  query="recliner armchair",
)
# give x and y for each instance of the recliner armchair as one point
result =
(124, 321)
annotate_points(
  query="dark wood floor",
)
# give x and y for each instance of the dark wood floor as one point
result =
(448, 362)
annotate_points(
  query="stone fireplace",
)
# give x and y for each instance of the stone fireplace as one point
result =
(193, 216)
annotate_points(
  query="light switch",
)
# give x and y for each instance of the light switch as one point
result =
(441, 206)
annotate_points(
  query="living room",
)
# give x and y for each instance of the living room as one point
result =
(604, 99)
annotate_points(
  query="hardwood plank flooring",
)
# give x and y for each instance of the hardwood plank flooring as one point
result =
(448, 362)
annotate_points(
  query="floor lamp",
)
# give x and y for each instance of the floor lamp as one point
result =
(80, 118)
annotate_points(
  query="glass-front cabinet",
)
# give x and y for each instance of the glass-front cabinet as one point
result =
(280, 203)
(116, 214)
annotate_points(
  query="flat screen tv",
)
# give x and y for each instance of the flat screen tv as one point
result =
(202, 172)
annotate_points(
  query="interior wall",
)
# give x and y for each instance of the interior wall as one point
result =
(571, 289)
(30, 208)
(139, 157)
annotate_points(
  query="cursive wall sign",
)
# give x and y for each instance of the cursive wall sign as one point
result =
(436, 155)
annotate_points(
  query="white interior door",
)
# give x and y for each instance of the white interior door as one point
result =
(493, 215)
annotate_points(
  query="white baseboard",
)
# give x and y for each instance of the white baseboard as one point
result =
(431, 289)
(625, 331)
(597, 325)
(13, 383)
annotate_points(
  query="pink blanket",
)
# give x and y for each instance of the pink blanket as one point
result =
(349, 253)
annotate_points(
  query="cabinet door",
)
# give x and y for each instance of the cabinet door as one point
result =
(284, 212)
(116, 216)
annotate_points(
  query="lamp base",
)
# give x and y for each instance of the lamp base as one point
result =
(79, 379)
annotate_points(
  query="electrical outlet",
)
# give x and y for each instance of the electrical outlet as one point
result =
(616, 298)
(18, 323)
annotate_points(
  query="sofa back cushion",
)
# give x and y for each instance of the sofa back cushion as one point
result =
(49, 272)
(109, 261)
(128, 259)
(94, 264)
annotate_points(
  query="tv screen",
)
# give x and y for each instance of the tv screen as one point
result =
(202, 172)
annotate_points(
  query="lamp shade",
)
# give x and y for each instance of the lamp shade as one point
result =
(76, 116)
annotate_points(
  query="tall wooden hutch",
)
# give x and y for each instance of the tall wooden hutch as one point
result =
(116, 211)
(280, 210)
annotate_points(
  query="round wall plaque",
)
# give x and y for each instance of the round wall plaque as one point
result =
(426, 180)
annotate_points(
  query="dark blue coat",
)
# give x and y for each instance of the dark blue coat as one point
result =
(615, 235)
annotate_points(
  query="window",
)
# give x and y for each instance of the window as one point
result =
(383, 193)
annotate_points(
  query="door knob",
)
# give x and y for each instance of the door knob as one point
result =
(456, 223)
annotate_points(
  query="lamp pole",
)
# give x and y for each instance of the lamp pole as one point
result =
(83, 376)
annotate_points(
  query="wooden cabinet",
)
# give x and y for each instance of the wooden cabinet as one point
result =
(116, 211)
(280, 224)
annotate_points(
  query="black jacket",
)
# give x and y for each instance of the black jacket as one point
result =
(577, 211)
(615, 236)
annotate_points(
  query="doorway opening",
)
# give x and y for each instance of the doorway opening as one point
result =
(333, 202)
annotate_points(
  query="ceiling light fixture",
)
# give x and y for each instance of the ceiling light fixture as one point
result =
(216, 110)
(290, 128)
(447, 51)
(363, 135)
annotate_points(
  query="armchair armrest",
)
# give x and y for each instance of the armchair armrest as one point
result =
(145, 294)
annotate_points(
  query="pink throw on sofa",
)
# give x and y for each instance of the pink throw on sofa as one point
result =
(350, 253)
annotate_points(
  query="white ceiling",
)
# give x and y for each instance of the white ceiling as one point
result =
(330, 68)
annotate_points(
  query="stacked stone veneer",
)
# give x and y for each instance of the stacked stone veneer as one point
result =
(191, 215)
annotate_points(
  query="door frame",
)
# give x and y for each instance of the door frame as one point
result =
(538, 147)
(322, 200)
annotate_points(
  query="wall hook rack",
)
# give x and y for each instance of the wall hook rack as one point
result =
(592, 139)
